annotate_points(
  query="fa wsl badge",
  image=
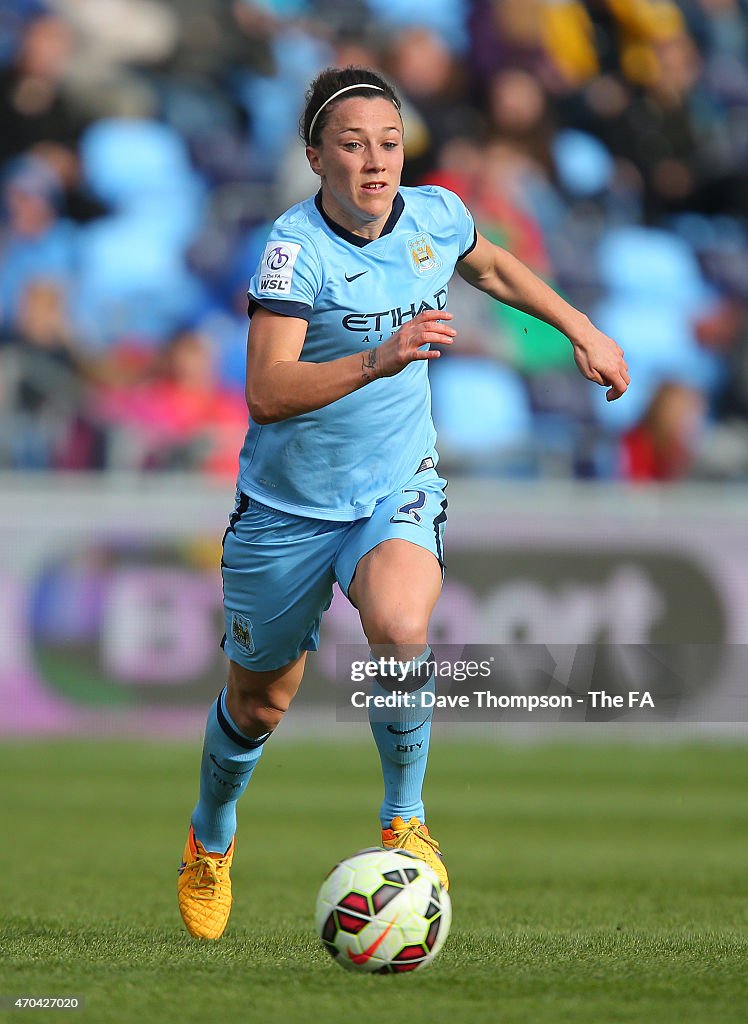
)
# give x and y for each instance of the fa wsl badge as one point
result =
(422, 253)
(276, 268)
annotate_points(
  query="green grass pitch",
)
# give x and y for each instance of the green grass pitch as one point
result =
(591, 884)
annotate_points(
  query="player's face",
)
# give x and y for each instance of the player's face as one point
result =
(360, 161)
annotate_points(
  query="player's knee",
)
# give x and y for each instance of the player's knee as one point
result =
(398, 629)
(257, 701)
(254, 716)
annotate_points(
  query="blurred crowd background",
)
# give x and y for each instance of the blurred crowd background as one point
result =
(146, 146)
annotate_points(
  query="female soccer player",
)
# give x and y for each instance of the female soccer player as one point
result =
(338, 477)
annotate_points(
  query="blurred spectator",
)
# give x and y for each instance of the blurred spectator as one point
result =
(41, 112)
(34, 240)
(653, 126)
(519, 109)
(120, 32)
(273, 96)
(14, 17)
(35, 105)
(180, 417)
(431, 83)
(642, 25)
(661, 448)
(721, 452)
(719, 25)
(667, 120)
(568, 37)
(43, 386)
(655, 297)
(552, 39)
(506, 34)
(147, 144)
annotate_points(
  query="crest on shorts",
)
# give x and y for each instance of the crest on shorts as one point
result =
(241, 632)
(423, 254)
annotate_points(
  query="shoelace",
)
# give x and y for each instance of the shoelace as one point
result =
(206, 877)
(403, 835)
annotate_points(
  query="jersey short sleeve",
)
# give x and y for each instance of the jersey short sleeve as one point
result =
(465, 219)
(288, 278)
(460, 218)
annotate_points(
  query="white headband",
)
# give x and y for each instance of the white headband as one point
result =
(346, 88)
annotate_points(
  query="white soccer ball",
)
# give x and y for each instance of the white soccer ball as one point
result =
(383, 911)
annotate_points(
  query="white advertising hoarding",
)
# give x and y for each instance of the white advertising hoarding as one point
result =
(110, 597)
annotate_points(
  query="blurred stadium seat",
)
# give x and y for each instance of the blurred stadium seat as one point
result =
(130, 283)
(482, 414)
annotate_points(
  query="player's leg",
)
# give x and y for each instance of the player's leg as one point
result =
(239, 722)
(395, 589)
(391, 569)
(277, 581)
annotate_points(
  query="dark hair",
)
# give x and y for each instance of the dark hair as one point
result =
(326, 84)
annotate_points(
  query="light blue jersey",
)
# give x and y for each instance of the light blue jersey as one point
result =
(337, 462)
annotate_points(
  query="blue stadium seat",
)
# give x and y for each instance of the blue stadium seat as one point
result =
(655, 292)
(584, 165)
(125, 160)
(131, 283)
(481, 410)
(143, 168)
(447, 17)
(660, 346)
(649, 263)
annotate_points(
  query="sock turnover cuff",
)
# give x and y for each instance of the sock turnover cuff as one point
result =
(417, 676)
(229, 727)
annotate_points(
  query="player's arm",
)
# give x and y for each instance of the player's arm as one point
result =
(279, 385)
(499, 274)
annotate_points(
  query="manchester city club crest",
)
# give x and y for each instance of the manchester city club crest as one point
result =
(241, 631)
(423, 254)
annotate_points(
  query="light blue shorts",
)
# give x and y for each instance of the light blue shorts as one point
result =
(279, 569)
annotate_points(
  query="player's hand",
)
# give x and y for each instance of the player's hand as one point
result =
(406, 345)
(600, 359)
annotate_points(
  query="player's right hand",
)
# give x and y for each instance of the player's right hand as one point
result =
(405, 346)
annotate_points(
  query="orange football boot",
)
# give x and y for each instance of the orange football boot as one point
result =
(414, 838)
(204, 889)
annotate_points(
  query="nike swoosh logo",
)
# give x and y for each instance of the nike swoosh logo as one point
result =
(403, 732)
(368, 953)
(228, 770)
(355, 277)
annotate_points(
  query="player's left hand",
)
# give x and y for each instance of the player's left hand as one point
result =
(600, 359)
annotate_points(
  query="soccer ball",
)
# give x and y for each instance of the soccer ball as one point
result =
(382, 911)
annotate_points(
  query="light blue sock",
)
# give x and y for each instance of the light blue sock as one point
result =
(229, 758)
(403, 745)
